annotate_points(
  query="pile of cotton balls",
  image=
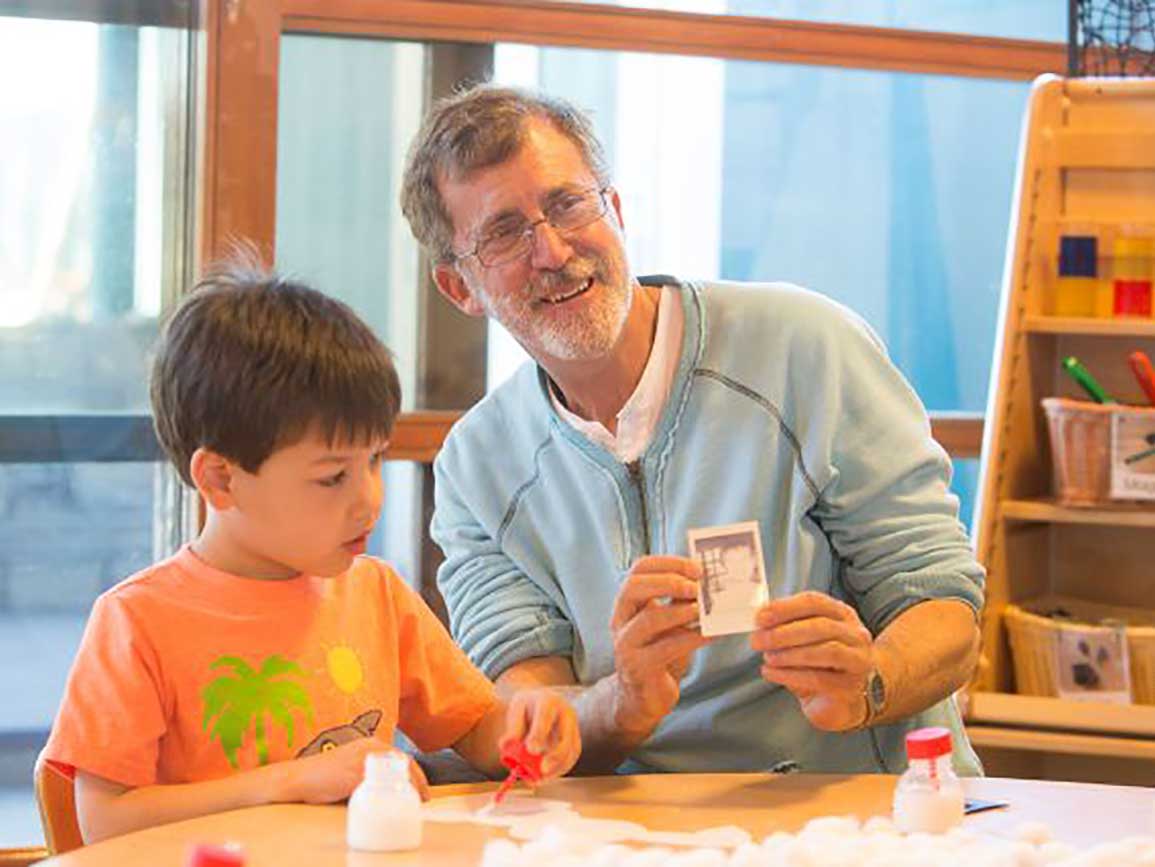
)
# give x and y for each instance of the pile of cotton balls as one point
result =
(832, 842)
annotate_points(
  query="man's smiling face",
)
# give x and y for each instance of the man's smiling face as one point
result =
(567, 298)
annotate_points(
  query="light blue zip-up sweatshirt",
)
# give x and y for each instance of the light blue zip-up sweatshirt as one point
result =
(785, 410)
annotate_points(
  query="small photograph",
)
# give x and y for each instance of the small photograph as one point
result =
(1132, 455)
(1093, 664)
(733, 585)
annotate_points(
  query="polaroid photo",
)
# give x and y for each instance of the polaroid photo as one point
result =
(1092, 664)
(733, 585)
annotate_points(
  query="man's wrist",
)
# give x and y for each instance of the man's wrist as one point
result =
(630, 724)
(874, 698)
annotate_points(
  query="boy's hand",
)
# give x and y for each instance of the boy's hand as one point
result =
(333, 775)
(549, 726)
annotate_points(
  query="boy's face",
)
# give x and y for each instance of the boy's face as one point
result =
(308, 509)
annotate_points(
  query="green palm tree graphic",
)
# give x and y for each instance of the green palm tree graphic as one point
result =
(248, 698)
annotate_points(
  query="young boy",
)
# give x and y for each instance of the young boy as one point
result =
(268, 657)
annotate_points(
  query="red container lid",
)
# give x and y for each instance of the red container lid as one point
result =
(516, 756)
(204, 855)
(929, 743)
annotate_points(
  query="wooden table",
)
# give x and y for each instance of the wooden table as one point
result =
(295, 834)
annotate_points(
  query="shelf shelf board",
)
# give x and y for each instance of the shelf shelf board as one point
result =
(1049, 512)
(1040, 713)
(1068, 743)
(1092, 327)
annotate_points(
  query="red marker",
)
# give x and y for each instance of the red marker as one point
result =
(522, 764)
(1141, 367)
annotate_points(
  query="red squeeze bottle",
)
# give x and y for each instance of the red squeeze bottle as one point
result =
(204, 855)
(522, 764)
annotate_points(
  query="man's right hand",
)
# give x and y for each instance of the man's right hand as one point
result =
(655, 634)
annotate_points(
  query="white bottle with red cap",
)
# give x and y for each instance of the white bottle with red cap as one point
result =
(929, 796)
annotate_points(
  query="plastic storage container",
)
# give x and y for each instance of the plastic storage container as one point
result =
(1080, 434)
(929, 795)
(385, 810)
(1080, 450)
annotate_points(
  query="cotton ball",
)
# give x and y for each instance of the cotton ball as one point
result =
(1036, 833)
(1141, 850)
(920, 840)
(1056, 851)
(500, 853)
(549, 842)
(608, 856)
(747, 855)
(879, 825)
(842, 825)
(831, 850)
(960, 838)
(723, 837)
(656, 856)
(699, 858)
(776, 840)
(1024, 854)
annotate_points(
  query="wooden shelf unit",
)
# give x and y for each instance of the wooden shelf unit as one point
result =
(1086, 157)
(1094, 327)
(1047, 511)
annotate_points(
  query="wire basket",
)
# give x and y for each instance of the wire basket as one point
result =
(1111, 37)
(1080, 450)
(1034, 638)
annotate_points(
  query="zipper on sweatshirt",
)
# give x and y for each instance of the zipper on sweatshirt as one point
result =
(635, 470)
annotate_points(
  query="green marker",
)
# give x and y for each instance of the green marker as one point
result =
(1081, 375)
(1135, 458)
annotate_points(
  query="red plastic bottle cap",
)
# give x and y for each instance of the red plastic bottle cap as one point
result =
(516, 756)
(929, 743)
(203, 855)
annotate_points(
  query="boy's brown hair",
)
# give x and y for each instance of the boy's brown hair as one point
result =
(249, 361)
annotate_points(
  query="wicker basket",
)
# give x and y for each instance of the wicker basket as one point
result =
(1034, 639)
(1080, 449)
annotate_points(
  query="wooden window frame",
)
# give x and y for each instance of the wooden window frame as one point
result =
(625, 28)
(242, 49)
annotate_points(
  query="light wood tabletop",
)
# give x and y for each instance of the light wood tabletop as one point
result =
(296, 834)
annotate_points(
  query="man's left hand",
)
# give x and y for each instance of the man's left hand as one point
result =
(817, 647)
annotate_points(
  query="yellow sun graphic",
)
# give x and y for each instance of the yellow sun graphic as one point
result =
(345, 668)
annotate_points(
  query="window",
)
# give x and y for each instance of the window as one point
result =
(1016, 19)
(94, 153)
(869, 187)
(347, 109)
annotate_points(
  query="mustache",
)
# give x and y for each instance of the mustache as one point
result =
(575, 272)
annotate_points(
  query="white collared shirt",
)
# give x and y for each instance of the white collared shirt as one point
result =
(638, 419)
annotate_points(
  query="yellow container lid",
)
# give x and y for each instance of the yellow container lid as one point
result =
(1130, 247)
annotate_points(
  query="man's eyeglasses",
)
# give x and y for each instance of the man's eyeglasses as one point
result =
(513, 238)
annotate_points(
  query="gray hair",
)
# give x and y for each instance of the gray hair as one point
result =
(481, 126)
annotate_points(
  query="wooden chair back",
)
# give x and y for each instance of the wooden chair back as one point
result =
(56, 799)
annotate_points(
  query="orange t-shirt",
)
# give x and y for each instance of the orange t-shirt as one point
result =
(186, 673)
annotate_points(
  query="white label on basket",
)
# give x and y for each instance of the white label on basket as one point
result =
(1092, 663)
(1132, 455)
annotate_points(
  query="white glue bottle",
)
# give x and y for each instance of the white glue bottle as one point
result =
(385, 810)
(929, 796)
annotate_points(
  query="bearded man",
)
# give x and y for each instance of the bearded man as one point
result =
(653, 406)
